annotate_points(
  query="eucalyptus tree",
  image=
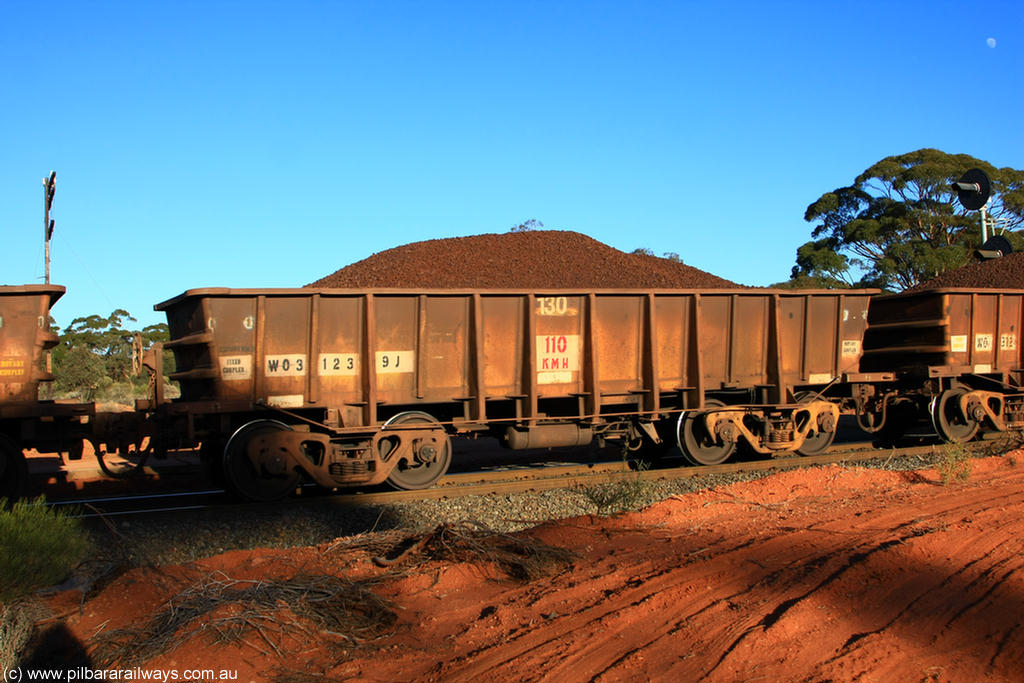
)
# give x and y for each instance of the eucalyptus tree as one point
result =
(899, 223)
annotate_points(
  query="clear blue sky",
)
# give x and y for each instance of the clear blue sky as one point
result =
(266, 144)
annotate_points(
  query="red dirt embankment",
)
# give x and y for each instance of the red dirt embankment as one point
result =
(535, 259)
(819, 575)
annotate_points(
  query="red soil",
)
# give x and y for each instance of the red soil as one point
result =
(536, 259)
(820, 575)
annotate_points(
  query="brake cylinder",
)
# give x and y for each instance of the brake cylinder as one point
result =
(547, 436)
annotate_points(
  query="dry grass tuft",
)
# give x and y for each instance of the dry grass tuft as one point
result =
(519, 557)
(17, 624)
(261, 614)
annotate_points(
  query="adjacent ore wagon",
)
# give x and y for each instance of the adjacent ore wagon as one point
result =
(956, 357)
(354, 387)
(25, 421)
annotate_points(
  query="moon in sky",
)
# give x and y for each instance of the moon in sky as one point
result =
(991, 42)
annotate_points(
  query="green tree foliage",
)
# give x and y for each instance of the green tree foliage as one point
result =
(82, 372)
(96, 352)
(668, 255)
(527, 226)
(900, 223)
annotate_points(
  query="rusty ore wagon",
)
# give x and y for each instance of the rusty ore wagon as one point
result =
(355, 387)
(956, 356)
(25, 421)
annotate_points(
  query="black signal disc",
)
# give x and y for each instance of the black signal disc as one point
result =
(975, 199)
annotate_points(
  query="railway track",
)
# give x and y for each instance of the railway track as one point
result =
(507, 479)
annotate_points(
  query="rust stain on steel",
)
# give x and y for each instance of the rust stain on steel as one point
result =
(509, 355)
(946, 331)
(24, 338)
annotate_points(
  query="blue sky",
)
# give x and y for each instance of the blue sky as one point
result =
(266, 144)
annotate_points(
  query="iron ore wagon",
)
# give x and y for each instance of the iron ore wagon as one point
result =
(353, 387)
(955, 354)
(25, 421)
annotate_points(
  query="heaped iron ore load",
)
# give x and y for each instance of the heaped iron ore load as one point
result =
(358, 387)
(1006, 272)
(529, 260)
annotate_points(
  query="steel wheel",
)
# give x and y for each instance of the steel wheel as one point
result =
(699, 446)
(411, 476)
(13, 470)
(245, 480)
(820, 441)
(949, 422)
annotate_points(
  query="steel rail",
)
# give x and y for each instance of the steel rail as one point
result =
(525, 479)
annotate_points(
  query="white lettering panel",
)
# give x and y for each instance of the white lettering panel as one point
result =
(851, 348)
(958, 343)
(983, 342)
(552, 305)
(391, 362)
(285, 365)
(338, 364)
(558, 357)
(286, 401)
(236, 367)
(1008, 342)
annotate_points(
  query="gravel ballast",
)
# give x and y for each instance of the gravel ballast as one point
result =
(183, 536)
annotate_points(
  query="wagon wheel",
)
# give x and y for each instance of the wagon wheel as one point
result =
(242, 478)
(821, 440)
(949, 422)
(13, 470)
(699, 446)
(422, 472)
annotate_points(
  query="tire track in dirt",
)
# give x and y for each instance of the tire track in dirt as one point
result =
(962, 609)
(772, 618)
(904, 610)
(803, 569)
(632, 586)
(834, 574)
(906, 572)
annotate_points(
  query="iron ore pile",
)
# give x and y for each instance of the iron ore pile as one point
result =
(534, 259)
(1006, 272)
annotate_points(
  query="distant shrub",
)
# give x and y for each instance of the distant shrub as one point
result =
(40, 547)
